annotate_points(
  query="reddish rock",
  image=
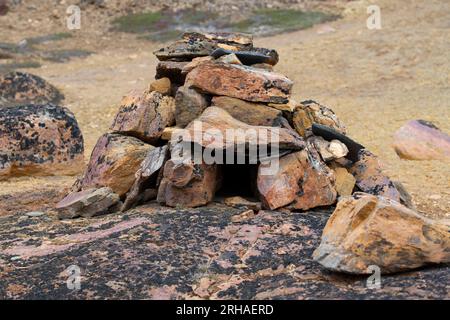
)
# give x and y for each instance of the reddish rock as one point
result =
(302, 182)
(240, 82)
(145, 116)
(114, 162)
(195, 63)
(147, 178)
(39, 140)
(421, 140)
(255, 114)
(367, 230)
(309, 112)
(187, 184)
(19, 88)
(189, 104)
(368, 171)
(88, 203)
(215, 122)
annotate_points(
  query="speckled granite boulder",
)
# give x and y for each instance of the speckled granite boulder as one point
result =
(367, 230)
(421, 140)
(114, 162)
(145, 115)
(39, 140)
(23, 88)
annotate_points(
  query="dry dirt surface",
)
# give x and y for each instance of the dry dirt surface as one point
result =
(375, 80)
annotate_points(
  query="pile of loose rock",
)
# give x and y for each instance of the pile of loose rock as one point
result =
(209, 84)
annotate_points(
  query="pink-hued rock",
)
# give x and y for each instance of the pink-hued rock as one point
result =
(145, 116)
(39, 140)
(114, 162)
(240, 82)
(302, 182)
(370, 178)
(421, 140)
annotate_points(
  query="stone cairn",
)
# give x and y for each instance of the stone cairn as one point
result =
(220, 81)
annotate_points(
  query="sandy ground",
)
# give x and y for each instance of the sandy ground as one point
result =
(375, 80)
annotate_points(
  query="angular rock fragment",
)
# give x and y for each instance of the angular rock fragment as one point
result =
(172, 70)
(214, 123)
(230, 58)
(239, 202)
(88, 203)
(39, 140)
(345, 182)
(405, 197)
(367, 230)
(251, 113)
(189, 104)
(330, 134)
(329, 150)
(252, 57)
(421, 140)
(302, 181)
(168, 132)
(19, 88)
(146, 177)
(196, 44)
(162, 86)
(145, 116)
(240, 82)
(368, 171)
(187, 184)
(114, 162)
(309, 112)
(195, 63)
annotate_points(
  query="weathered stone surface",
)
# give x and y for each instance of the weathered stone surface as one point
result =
(421, 140)
(263, 66)
(172, 70)
(168, 132)
(187, 184)
(114, 162)
(240, 82)
(255, 56)
(405, 197)
(288, 107)
(329, 150)
(19, 88)
(146, 177)
(309, 112)
(367, 230)
(145, 115)
(162, 86)
(39, 140)
(345, 182)
(195, 63)
(194, 44)
(162, 251)
(368, 171)
(189, 104)
(240, 202)
(330, 134)
(88, 203)
(254, 114)
(230, 58)
(214, 122)
(301, 181)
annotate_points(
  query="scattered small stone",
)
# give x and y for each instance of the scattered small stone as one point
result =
(345, 182)
(34, 214)
(246, 215)
(238, 201)
(162, 86)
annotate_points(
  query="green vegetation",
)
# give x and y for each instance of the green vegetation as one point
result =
(167, 25)
(281, 20)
